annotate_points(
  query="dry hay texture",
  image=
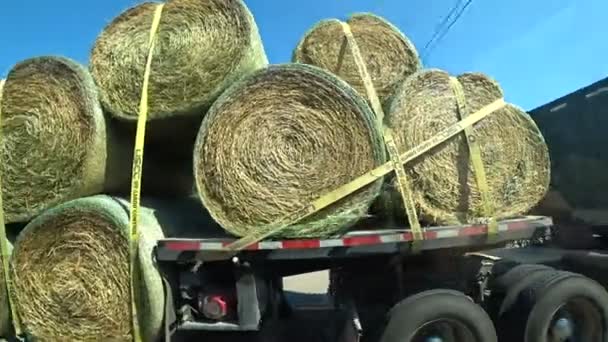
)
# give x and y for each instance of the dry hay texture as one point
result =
(5, 323)
(389, 55)
(4, 312)
(203, 46)
(54, 142)
(70, 269)
(513, 151)
(279, 139)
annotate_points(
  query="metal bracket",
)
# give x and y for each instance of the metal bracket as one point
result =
(483, 277)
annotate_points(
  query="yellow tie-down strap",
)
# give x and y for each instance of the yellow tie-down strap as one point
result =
(5, 254)
(136, 175)
(476, 160)
(363, 180)
(389, 142)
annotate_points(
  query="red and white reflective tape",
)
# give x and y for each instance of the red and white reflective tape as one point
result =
(366, 238)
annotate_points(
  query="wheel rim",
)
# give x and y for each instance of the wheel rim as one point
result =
(444, 330)
(577, 320)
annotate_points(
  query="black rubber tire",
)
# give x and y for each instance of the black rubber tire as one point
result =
(413, 312)
(549, 295)
(505, 288)
(543, 296)
(511, 316)
(513, 284)
(516, 274)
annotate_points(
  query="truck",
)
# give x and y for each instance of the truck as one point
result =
(541, 278)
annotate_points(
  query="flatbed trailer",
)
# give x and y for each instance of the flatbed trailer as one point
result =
(458, 284)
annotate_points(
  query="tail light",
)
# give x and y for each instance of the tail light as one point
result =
(215, 307)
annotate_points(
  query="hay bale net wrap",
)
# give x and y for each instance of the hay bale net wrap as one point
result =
(54, 136)
(4, 309)
(389, 55)
(70, 268)
(202, 47)
(5, 318)
(513, 151)
(276, 141)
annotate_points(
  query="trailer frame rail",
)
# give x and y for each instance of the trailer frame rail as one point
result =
(367, 241)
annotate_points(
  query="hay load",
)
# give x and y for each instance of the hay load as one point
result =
(203, 46)
(4, 309)
(443, 184)
(70, 270)
(277, 140)
(55, 144)
(389, 55)
(5, 318)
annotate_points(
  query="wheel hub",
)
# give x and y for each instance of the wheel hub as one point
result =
(562, 330)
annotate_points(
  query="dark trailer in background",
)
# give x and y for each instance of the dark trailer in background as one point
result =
(575, 127)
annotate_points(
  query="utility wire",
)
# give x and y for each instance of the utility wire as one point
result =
(440, 32)
(442, 23)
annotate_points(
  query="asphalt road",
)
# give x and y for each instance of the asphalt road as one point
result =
(316, 282)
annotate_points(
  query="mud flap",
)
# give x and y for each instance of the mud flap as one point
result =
(352, 330)
(170, 319)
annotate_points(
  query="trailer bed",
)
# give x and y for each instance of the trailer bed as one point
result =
(360, 242)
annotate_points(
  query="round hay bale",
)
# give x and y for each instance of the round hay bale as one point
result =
(5, 317)
(389, 55)
(1, 87)
(279, 139)
(71, 273)
(513, 151)
(203, 46)
(4, 310)
(54, 144)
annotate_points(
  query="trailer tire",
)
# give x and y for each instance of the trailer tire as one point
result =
(508, 315)
(517, 274)
(410, 317)
(558, 303)
(513, 282)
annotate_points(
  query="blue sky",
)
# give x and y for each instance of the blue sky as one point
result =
(537, 49)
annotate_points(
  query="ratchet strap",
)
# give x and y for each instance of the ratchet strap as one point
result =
(136, 175)
(391, 147)
(5, 255)
(476, 160)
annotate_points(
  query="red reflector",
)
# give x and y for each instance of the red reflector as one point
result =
(182, 246)
(473, 230)
(518, 225)
(361, 240)
(214, 307)
(301, 244)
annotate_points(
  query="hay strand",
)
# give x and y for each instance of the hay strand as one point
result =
(513, 150)
(70, 269)
(277, 140)
(202, 47)
(4, 309)
(54, 144)
(389, 55)
(5, 317)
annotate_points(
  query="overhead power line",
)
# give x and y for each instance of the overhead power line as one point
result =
(441, 29)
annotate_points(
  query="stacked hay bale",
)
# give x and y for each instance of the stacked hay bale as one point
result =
(202, 48)
(276, 140)
(443, 184)
(5, 322)
(4, 309)
(389, 55)
(55, 144)
(71, 273)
